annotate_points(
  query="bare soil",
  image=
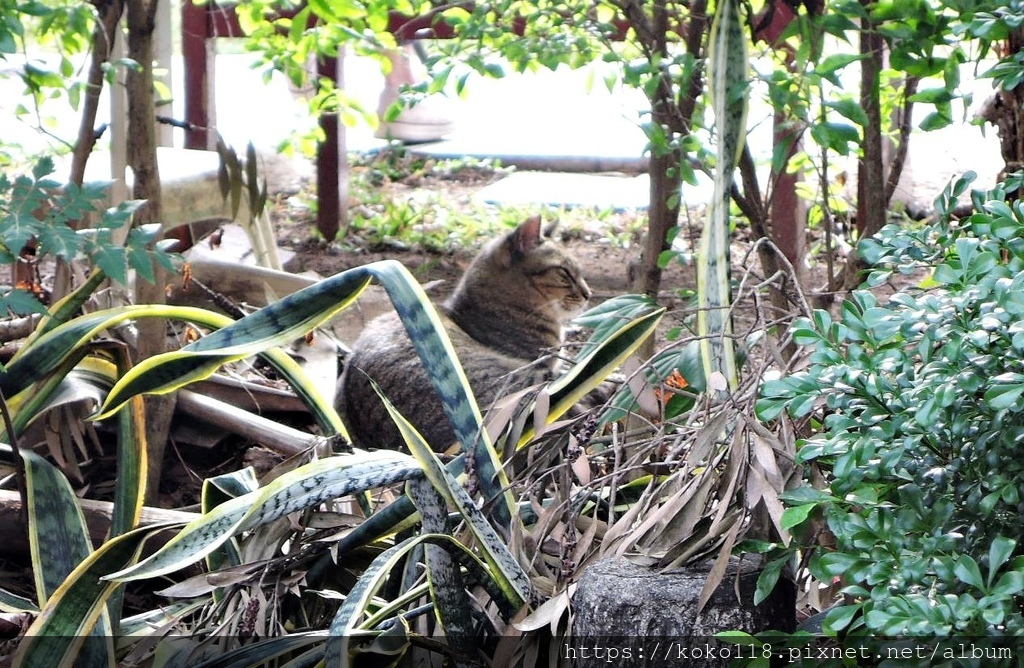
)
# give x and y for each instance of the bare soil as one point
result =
(605, 249)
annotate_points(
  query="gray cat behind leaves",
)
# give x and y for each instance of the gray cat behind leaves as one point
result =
(506, 313)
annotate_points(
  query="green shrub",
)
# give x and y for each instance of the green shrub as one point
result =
(39, 210)
(918, 404)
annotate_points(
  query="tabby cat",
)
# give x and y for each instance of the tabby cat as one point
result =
(506, 313)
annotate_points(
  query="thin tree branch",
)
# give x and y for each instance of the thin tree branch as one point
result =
(903, 145)
(103, 36)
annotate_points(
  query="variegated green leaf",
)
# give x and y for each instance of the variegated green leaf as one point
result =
(13, 603)
(87, 380)
(66, 308)
(221, 489)
(132, 465)
(65, 345)
(305, 487)
(385, 610)
(349, 623)
(300, 312)
(58, 534)
(267, 652)
(58, 633)
(154, 622)
(515, 584)
(48, 351)
(588, 373)
(444, 575)
(727, 78)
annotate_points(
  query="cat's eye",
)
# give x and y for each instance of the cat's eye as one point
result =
(565, 275)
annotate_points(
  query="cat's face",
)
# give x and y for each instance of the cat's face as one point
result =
(532, 269)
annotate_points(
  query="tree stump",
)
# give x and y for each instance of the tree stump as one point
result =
(635, 616)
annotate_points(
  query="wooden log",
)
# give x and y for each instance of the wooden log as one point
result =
(268, 433)
(14, 536)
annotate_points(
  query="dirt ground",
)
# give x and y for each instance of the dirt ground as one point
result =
(604, 249)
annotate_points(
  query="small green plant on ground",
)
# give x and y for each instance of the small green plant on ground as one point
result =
(404, 201)
(918, 406)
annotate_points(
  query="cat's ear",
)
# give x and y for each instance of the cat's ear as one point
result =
(549, 229)
(527, 236)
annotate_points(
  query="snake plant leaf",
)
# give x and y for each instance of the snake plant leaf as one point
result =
(277, 324)
(611, 345)
(58, 534)
(132, 463)
(179, 368)
(152, 622)
(300, 312)
(727, 78)
(59, 542)
(227, 486)
(444, 575)
(265, 652)
(384, 612)
(320, 407)
(594, 368)
(48, 351)
(435, 349)
(88, 380)
(13, 603)
(305, 487)
(513, 581)
(608, 316)
(349, 624)
(66, 308)
(358, 602)
(221, 489)
(64, 345)
(396, 517)
(58, 633)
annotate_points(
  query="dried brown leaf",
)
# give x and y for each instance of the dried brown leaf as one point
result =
(735, 474)
(718, 569)
(624, 525)
(759, 489)
(542, 406)
(206, 582)
(585, 543)
(549, 614)
(764, 455)
(581, 466)
(702, 543)
(675, 520)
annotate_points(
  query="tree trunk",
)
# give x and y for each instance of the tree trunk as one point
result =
(676, 116)
(1005, 110)
(663, 210)
(103, 36)
(788, 211)
(871, 204)
(143, 161)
